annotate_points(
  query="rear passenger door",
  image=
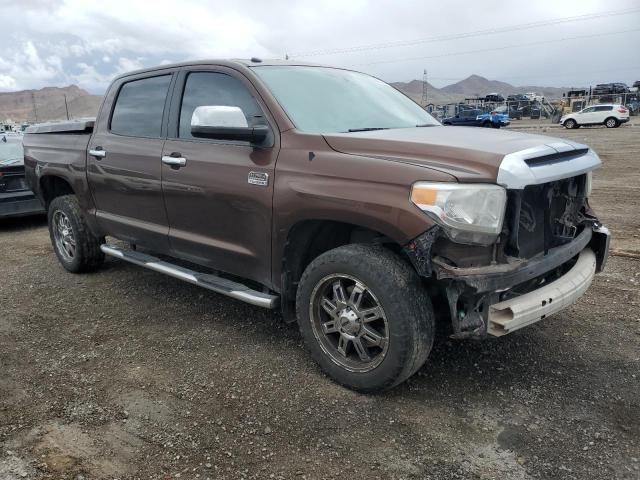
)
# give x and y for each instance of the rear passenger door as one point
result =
(218, 215)
(603, 112)
(123, 162)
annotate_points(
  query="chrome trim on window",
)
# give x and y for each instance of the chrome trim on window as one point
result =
(515, 173)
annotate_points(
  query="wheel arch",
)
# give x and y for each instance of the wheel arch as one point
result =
(52, 186)
(308, 239)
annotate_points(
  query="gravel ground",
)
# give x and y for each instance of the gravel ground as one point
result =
(126, 373)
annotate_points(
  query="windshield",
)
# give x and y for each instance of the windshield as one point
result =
(329, 100)
(10, 150)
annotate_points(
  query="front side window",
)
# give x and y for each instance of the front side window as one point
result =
(139, 107)
(588, 110)
(330, 100)
(216, 89)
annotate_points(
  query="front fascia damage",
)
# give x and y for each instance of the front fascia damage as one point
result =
(472, 279)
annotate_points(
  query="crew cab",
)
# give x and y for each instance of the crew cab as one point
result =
(329, 195)
(478, 118)
(611, 116)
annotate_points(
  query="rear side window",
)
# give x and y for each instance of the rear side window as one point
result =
(604, 108)
(216, 89)
(139, 107)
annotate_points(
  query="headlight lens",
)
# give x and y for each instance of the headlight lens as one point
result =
(469, 213)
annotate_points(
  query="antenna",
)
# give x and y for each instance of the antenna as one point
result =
(423, 100)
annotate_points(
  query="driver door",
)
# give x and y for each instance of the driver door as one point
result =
(218, 215)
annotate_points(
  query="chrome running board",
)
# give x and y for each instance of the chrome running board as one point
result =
(211, 282)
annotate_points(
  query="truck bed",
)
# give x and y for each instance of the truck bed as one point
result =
(58, 150)
(82, 125)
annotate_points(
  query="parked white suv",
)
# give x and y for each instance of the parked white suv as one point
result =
(611, 116)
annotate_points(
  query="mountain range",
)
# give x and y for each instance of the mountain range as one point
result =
(472, 86)
(49, 103)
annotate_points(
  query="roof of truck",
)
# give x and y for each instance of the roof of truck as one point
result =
(228, 62)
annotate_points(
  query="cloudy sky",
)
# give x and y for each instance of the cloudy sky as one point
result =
(546, 42)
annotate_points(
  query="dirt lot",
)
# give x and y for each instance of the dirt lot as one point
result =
(127, 373)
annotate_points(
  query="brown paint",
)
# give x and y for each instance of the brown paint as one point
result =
(208, 213)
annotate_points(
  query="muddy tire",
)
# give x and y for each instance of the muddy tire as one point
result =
(365, 317)
(77, 249)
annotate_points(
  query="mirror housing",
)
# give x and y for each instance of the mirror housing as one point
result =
(226, 123)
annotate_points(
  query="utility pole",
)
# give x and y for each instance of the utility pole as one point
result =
(35, 111)
(66, 106)
(424, 100)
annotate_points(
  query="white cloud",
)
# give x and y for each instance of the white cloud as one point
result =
(7, 82)
(89, 41)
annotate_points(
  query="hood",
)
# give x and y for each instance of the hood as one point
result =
(470, 154)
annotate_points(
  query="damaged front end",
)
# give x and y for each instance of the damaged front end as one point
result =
(489, 289)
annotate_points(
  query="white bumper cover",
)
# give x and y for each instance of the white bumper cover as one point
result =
(516, 313)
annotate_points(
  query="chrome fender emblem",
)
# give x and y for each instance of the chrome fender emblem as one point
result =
(258, 178)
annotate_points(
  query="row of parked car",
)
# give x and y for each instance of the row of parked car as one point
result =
(520, 97)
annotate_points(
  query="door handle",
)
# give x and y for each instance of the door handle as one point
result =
(98, 153)
(174, 161)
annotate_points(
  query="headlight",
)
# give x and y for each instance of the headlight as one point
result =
(469, 213)
(588, 184)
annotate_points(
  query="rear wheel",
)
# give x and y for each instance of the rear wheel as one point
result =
(570, 123)
(611, 122)
(487, 125)
(77, 249)
(365, 317)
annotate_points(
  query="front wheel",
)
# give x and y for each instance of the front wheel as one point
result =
(365, 317)
(77, 249)
(570, 124)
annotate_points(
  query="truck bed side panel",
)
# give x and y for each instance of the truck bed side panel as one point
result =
(61, 155)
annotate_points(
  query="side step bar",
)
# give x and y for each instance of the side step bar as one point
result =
(211, 282)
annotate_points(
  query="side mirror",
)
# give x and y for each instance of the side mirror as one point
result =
(225, 123)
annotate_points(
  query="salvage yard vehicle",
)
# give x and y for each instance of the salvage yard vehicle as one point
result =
(611, 116)
(329, 194)
(16, 199)
(477, 118)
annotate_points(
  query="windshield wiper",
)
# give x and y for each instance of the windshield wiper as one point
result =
(367, 129)
(426, 125)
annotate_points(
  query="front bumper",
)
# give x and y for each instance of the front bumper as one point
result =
(18, 204)
(501, 277)
(472, 293)
(516, 313)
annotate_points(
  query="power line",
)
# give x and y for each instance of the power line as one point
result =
(495, 49)
(491, 31)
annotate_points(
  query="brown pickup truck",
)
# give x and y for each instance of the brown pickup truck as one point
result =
(330, 195)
